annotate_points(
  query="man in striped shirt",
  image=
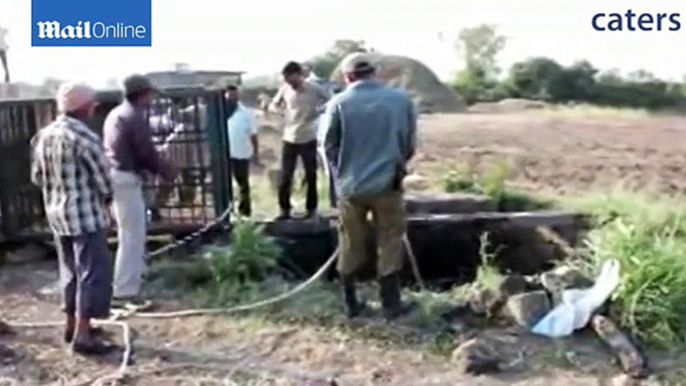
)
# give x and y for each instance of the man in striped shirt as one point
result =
(69, 165)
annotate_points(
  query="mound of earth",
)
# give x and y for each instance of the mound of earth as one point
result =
(417, 79)
(508, 105)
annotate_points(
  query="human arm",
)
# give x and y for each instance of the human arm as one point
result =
(37, 172)
(277, 103)
(331, 124)
(145, 152)
(411, 135)
(252, 125)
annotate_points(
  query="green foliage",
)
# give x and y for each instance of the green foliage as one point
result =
(249, 257)
(542, 78)
(649, 240)
(487, 274)
(493, 183)
(478, 80)
(480, 46)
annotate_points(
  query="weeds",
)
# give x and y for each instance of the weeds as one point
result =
(649, 240)
(493, 183)
(487, 274)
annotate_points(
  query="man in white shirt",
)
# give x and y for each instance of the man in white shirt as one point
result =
(243, 147)
(302, 102)
(4, 46)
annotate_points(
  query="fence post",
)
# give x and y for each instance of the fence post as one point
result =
(219, 145)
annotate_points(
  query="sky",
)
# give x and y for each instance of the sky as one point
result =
(259, 36)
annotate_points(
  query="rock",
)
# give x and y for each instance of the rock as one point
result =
(416, 182)
(563, 278)
(528, 308)
(485, 301)
(630, 358)
(475, 357)
(512, 285)
(5, 329)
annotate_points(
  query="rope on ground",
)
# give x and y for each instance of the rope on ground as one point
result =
(126, 358)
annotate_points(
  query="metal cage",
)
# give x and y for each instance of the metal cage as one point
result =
(189, 127)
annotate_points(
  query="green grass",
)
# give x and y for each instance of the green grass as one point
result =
(493, 183)
(648, 237)
(264, 197)
(646, 234)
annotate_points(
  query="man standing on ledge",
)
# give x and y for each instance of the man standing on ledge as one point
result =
(302, 102)
(370, 137)
(130, 149)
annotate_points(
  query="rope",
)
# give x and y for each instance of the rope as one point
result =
(193, 236)
(126, 330)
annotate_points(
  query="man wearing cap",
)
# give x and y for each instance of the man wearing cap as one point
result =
(370, 137)
(69, 165)
(302, 102)
(131, 152)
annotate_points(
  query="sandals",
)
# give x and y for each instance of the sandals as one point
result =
(93, 348)
(95, 332)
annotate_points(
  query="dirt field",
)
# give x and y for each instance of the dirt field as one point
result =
(564, 153)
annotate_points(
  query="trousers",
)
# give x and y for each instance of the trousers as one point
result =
(388, 218)
(330, 176)
(241, 173)
(290, 153)
(85, 267)
(130, 214)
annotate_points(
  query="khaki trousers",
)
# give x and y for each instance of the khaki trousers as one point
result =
(388, 217)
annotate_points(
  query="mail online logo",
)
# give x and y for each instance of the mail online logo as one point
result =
(89, 23)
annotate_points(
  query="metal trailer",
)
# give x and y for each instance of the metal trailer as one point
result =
(199, 148)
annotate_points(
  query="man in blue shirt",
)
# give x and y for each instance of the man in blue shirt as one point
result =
(370, 137)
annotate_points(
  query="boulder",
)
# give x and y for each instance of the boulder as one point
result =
(476, 357)
(526, 309)
(563, 278)
(485, 301)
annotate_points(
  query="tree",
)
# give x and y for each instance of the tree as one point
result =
(324, 65)
(479, 46)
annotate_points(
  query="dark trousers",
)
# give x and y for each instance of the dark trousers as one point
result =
(289, 156)
(85, 265)
(333, 198)
(241, 173)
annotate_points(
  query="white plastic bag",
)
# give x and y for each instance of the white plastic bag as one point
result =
(578, 305)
